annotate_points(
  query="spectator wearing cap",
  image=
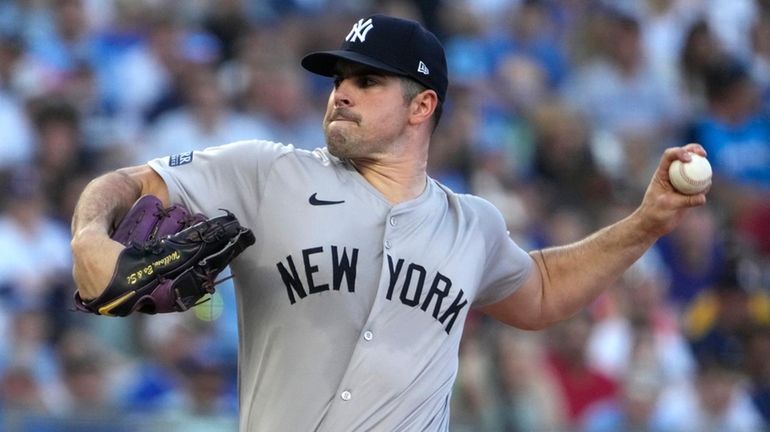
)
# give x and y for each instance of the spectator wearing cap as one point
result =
(733, 130)
(736, 135)
(721, 320)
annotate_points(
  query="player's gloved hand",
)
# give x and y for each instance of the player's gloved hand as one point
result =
(171, 259)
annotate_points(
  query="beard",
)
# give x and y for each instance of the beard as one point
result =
(338, 144)
(346, 144)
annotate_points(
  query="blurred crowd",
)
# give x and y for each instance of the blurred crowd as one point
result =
(558, 111)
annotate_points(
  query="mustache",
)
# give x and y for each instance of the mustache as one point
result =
(344, 114)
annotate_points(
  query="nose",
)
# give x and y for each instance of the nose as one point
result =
(342, 96)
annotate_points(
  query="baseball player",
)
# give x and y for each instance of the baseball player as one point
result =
(352, 300)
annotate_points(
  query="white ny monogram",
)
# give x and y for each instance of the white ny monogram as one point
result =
(359, 30)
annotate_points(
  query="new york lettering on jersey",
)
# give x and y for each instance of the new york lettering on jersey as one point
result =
(409, 283)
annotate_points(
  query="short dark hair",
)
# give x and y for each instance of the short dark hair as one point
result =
(722, 75)
(48, 111)
(412, 88)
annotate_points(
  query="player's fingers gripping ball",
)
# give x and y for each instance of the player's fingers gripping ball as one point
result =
(691, 177)
(171, 259)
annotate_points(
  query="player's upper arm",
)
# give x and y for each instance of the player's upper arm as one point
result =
(506, 264)
(150, 182)
(524, 307)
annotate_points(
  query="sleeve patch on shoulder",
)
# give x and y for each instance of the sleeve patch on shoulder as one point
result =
(180, 159)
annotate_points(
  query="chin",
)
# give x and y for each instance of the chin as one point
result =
(340, 151)
(336, 143)
(345, 149)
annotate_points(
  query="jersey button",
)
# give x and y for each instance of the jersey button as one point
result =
(393, 221)
(387, 244)
(368, 335)
(346, 395)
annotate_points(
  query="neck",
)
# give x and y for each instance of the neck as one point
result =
(399, 178)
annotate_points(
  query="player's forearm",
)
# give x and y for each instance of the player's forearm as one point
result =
(94, 252)
(103, 200)
(575, 274)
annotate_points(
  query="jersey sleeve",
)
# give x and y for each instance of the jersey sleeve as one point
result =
(229, 177)
(507, 264)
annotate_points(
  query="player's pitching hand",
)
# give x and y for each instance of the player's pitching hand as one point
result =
(663, 207)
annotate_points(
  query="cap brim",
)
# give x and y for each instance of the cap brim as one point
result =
(325, 62)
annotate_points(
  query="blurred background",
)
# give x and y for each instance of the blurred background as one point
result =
(558, 111)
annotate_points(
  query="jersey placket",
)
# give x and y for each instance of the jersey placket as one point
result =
(345, 404)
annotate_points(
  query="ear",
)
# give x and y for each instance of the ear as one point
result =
(422, 107)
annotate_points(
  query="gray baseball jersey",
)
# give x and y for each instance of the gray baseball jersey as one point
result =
(350, 309)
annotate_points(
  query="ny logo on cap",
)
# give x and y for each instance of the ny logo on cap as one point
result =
(359, 30)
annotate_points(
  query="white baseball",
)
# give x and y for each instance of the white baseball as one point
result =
(692, 177)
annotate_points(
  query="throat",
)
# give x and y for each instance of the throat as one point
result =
(394, 185)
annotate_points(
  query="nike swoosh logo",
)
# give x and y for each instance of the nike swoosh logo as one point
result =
(317, 202)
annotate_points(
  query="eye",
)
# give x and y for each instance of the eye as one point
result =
(365, 81)
(337, 81)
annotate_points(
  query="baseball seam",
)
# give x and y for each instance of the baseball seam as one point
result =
(689, 180)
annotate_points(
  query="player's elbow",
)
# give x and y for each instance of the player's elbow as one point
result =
(531, 316)
(533, 323)
(514, 315)
(543, 323)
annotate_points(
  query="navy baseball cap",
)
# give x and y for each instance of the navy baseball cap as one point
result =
(395, 45)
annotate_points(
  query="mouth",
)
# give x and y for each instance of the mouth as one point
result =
(335, 119)
(342, 116)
